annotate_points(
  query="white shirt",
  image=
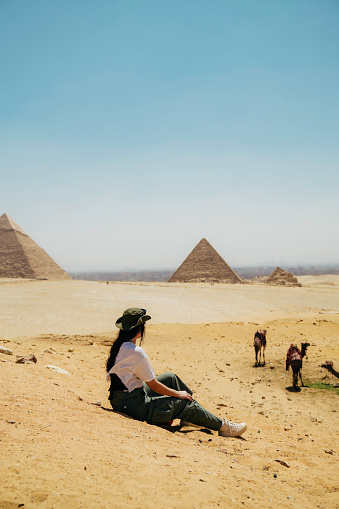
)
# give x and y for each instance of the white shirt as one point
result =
(132, 366)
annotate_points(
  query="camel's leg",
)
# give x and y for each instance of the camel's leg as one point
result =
(263, 354)
(301, 380)
(295, 369)
(295, 379)
(256, 355)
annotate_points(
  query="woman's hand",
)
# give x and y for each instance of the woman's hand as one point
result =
(184, 395)
(160, 388)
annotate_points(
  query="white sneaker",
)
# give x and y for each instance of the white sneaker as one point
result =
(186, 423)
(232, 429)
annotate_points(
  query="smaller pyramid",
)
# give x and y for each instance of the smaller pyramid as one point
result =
(204, 264)
(281, 278)
(21, 257)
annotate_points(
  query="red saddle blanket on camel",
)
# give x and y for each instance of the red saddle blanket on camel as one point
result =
(293, 354)
(260, 338)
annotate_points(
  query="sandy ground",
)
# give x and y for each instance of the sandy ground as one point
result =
(59, 450)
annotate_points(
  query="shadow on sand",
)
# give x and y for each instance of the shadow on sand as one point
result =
(293, 389)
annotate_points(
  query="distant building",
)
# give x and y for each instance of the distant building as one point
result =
(21, 257)
(281, 278)
(204, 264)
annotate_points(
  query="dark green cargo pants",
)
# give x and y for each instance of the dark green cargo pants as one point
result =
(146, 405)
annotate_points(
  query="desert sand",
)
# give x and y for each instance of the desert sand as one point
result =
(62, 446)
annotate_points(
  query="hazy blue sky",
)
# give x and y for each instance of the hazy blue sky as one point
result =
(129, 130)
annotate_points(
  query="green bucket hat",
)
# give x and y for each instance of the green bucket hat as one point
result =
(132, 317)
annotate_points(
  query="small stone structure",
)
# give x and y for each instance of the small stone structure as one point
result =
(281, 278)
(21, 257)
(204, 264)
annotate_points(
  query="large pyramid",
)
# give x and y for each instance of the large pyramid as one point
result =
(21, 257)
(204, 264)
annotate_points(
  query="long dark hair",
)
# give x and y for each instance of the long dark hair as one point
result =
(123, 337)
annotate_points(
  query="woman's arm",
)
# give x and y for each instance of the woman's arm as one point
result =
(160, 388)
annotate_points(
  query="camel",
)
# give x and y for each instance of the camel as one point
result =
(329, 366)
(294, 359)
(259, 344)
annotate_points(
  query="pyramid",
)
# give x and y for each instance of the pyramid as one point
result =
(204, 264)
(21, 257)
(282, 278)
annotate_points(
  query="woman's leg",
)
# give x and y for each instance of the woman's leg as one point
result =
(136, 404)
(146, 405)
(165, 409)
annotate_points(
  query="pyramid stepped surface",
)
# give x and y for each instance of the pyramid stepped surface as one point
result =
(204, 264)
(282, 278)
(21, 257)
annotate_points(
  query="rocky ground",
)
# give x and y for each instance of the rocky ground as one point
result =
(63, 447)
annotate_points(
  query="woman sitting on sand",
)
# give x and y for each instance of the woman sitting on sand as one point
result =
(136, 391)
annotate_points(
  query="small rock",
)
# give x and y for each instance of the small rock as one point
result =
(97, 403)
(5, 350)
(57, 369)
(11, 422)
(29, 359)
(283, 463)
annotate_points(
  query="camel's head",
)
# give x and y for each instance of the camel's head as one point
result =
(327, 365)
(304, 347)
